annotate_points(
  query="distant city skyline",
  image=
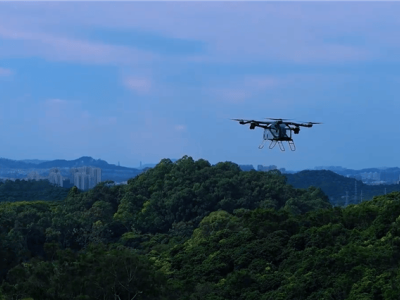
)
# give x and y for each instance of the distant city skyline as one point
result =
(83, 173)
(138, 81)
(255, 165)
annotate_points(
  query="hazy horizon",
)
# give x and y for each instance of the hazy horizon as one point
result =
(133, 82)
(156, 162)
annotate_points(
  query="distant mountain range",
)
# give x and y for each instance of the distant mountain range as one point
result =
(334, 182)
(344, 171)
(59, 163)
(336, 186)
(109, 171)
(112, 172)
(33, 161)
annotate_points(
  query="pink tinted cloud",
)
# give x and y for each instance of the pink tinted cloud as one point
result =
(230, 95)
(294, 32)
(139, 85)
(180, 127)
(5, 72)
(232, 31)
(262, 82)
(61, 48)
(238, 91)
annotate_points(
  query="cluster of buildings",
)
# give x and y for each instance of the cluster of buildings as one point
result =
(266, 168)
(376, 178)
(262, 168)
(370, 176)
(83, 178)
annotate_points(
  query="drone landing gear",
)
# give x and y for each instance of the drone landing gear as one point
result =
(281, 147)
(272, 145)
(292, 146)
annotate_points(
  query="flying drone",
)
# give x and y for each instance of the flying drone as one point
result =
(277, 131)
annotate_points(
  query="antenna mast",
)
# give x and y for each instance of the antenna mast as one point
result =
(347, 199)
(355, 191)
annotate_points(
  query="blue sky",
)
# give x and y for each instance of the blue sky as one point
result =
(135, 82)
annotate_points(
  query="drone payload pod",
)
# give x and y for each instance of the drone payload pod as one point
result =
(277, 131)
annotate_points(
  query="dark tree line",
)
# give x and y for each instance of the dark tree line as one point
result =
(30, 190)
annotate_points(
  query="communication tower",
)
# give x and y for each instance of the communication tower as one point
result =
(355, 192)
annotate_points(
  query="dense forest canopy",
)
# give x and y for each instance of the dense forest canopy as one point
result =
(30, 190)
(189, 230)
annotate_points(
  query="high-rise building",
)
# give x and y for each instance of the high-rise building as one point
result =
(55, 177)
(34, 176)
(85, 178)
(266, 168)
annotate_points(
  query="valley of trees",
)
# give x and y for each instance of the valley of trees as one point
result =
(188, 230)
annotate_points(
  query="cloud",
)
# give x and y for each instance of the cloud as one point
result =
(111, 120)
(234, 32)
(180, 127)
(230, 95)
(290, 90)
(139, 85)
(155, 132)
(5, 72)
(64, 48)
(56, 102)
(262, 82)
(67, 117)
(58, 113)
(237, 91)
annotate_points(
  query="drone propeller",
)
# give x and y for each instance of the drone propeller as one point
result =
(311, 122)
(241, 121)
(278, 119)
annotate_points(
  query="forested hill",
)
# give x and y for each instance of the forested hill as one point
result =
(191, 231)
(335, 186)
(30, 190)
(167, 202)
(188, 190)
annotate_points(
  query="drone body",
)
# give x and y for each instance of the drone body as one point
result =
(277, 131)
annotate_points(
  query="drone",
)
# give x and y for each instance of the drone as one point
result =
(277, 131)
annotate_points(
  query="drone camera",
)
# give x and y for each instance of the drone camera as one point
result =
(252, 125)
(296, 130)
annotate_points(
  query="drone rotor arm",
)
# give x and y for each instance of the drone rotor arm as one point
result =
(303, 124)
(255, 122)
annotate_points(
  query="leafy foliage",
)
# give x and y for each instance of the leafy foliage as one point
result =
(30, 190)
(188, 190)
(188, 230)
